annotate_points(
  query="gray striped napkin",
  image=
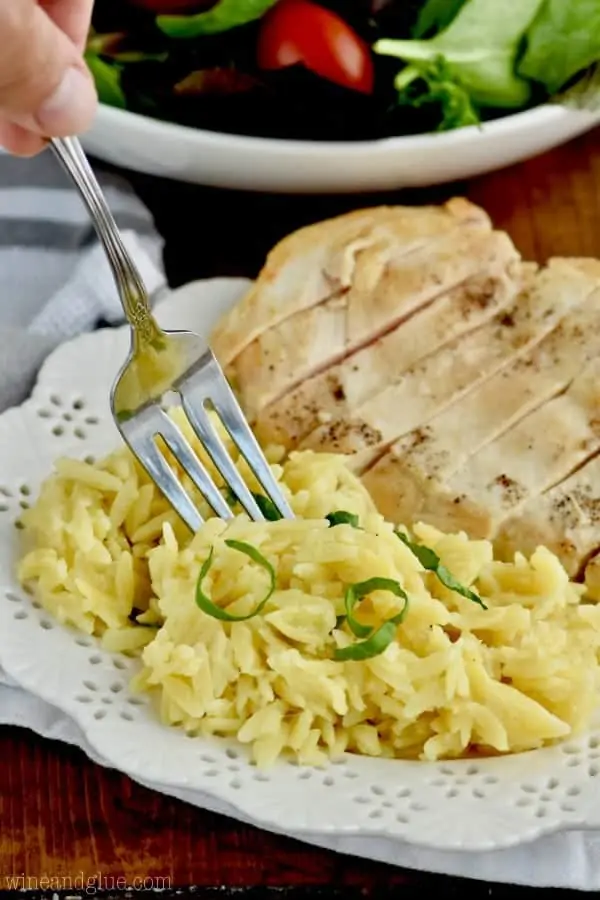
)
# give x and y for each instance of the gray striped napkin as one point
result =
(54, 280)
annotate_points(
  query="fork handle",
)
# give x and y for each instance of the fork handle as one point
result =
(132, 292)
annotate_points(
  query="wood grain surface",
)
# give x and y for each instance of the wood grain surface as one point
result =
(550, 205)
(62, 816)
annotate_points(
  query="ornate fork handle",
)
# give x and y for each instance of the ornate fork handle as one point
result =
(131, 289)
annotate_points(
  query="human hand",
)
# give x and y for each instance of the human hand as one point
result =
(45, 87)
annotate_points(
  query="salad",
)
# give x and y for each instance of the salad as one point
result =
(341, 69)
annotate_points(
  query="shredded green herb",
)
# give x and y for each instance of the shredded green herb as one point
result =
(431, 562)
(376, 640)
(342, 517)
(373, 646)
(210, 608)
(230, 498)
(267, 508)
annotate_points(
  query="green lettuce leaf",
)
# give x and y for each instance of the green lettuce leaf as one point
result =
(225, 15)
(585, 93)
(435, 15)
(423, 85)
(479, 49)
(107, 77)
(563, 40)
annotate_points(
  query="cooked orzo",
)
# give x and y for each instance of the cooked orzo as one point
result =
(320, 635)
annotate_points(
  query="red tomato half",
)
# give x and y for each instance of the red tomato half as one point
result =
(299, 31)
(171, 7)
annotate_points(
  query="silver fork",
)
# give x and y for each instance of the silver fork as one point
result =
(177, 363)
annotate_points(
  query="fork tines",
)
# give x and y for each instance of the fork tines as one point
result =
(203, 390)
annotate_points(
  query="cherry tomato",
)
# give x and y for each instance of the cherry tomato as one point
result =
(300, 31)
(171, 7)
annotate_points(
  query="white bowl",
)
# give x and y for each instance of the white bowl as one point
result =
(265, 164)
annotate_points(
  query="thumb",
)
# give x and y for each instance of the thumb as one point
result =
(45, 86)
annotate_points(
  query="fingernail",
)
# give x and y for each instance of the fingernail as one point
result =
(70, 108)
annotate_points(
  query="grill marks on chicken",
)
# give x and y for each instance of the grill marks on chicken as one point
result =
(524, 462)
(411, 479)
(566, 519)
(444, 377)
(380, 285)
(334, 393)
(463, 383)
(320, 261)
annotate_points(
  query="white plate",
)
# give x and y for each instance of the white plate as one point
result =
(464, 805)
(221, 160)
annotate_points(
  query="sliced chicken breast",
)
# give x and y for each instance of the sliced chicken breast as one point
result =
(463, 383)
(441, 379)
(343, 387)
(538, 452)
(565, 519)
(386, 288)
(323, 260)
(413, 477)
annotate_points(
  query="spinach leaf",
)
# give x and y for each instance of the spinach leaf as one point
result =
(563, 40)
(225, 15)
(435, 15)
(107, 77)
(479, 49)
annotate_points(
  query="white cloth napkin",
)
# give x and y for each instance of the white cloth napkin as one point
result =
(55, 284)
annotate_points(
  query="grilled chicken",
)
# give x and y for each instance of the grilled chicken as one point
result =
(409, 480)
(539, 451)
(462, 382)
(388, 267)
(324, 260)
(565, 519)
(445, 376)
(338, 391)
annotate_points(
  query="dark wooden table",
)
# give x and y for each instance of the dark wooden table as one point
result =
(61, 817)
